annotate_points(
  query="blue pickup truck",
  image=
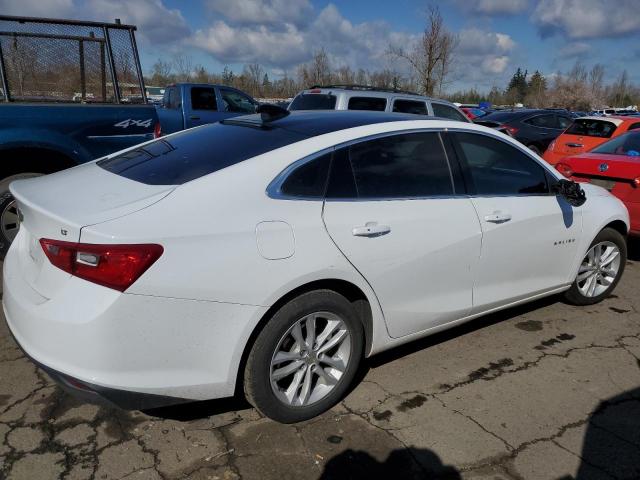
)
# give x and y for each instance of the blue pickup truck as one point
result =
(70, 92)
(187, 105)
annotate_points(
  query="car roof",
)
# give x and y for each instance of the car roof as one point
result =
(318, 122)
(361, 92)
(615, 120)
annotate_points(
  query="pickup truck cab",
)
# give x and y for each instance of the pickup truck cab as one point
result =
(70, 92)
(187, 105)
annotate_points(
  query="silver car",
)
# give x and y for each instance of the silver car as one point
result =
(356, 97)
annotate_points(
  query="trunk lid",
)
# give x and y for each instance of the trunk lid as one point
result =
(57, 206)
(612, 172)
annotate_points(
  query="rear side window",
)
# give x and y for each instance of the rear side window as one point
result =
(172, 98)
(633, 126)
(203, 98)
(445, 111)
(543, 121)
(497, 168)
(410, 106)
(564, 122)
(367, 103)
(399, 166)
(313, 101)
(308, 180)
(626, 144)
(592, 128)
(194, 153)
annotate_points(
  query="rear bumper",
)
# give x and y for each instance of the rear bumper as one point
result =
(634, 218)
(124, 399)
(137, 351)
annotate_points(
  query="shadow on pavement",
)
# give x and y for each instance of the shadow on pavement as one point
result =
(612, 442)
(187, 412)
(633, 244)
(401, 464)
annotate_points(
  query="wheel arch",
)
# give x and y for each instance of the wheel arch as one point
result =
(349, 290)
(33, 160)
(619, 226)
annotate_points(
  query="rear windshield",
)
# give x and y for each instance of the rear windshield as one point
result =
(313, 101)
(591, 128)
(500, 117)
(194, 153)
(627, 144)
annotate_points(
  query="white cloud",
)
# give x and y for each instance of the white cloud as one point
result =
(474, 41)
(579, 19)
(263, 12)
(495, 65)
(574, 49)
(494, 7)
(156, 23)
(482, 57)
(283, 42)
(253, 44)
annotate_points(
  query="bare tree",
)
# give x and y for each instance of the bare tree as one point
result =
(183, 65)
(431, 57)
(316, 72)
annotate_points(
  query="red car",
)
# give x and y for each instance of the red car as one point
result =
(614, 165)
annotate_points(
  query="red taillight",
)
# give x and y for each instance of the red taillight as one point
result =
(564, 169)
(315, 90)
(636, 182)
(510, 130)
(157, 130)
(113, 266)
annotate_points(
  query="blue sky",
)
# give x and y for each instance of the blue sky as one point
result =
(495, 36)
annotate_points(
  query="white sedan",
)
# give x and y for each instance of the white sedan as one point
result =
(272, 253)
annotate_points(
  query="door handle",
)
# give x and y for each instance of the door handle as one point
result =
(371, 229)
(574, 145)
(498, 217)
(194, 117)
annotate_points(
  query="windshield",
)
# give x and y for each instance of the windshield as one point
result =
(591, 128)
(627, 144)
(313, 101)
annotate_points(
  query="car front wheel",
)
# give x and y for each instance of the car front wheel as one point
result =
(600, 269)
(305, 358)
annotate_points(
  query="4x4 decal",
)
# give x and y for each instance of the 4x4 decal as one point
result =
(136, 123)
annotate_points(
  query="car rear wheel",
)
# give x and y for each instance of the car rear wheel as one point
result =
(305, 358)
(9, 218)
(600, 269)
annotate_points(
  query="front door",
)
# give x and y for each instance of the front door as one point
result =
(393, 211)
(529, 235)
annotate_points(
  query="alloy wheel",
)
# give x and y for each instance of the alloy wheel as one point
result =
(10, 221)
(310, 359)
(599, 269)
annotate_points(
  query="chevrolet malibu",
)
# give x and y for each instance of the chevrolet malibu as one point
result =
(272, 253)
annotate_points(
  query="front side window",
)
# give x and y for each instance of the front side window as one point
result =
(497, 168)
(446, 111)
(236, 102)
(367, 103)
(172, 98)
(410, 106)
(203, 98)
(409, 165)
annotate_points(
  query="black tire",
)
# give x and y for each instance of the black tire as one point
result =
(257, 384)
(574, 296)
(6, 204)
(534, 149)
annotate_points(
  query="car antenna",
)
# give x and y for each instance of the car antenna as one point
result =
(269, 113)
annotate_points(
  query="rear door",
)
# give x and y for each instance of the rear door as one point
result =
(203, 107)
(397, 212)
(170, 112)
(529, 235)
(584, 135)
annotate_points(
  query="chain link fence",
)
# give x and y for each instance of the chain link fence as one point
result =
(68, 61)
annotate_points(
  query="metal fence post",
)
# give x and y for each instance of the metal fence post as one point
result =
(112, 66)
(3, 77)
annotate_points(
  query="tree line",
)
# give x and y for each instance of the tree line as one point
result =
(427, 67)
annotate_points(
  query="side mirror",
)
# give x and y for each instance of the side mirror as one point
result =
(571, 191)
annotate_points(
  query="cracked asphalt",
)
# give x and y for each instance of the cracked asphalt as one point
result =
(544, 391)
